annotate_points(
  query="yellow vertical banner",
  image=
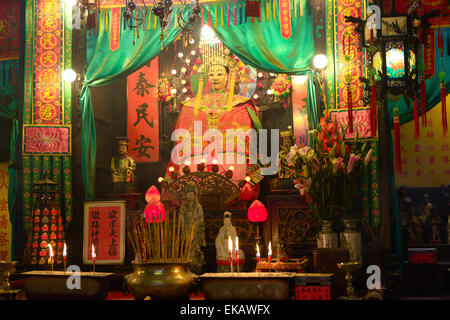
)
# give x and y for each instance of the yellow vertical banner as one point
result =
(5, 224)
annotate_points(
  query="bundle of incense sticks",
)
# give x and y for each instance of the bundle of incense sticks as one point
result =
(161, 241)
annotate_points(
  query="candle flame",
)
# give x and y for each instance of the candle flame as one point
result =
(237, 244)
(65, 250)
(231, 168)
(230, 244)
(94, 255)
(171, 169)
(257, 251)
(51, 250)
(270, 249)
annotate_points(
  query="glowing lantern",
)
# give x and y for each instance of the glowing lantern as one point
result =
(152, 193)
(257, 212)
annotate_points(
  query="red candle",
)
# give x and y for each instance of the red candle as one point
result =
(371, 36)
(236, 250)
(93, 256)
(257, 256)
(65, 256)
(230, 249)
(51, 255)
(270, 252)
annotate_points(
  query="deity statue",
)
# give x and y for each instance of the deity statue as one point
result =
(192, 215)
(411, 231)
(222, 247)
(430, 220)
(123, 168)
(285, 175)
(220, 109)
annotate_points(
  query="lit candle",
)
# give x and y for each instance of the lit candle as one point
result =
(65, 256)
(51, 255)
(94, 255)
(230, 249)
(270, 253)
(236, 250)
(257, 256)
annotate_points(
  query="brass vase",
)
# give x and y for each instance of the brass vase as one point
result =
(351, 239)
(327, 238)
(160, 281)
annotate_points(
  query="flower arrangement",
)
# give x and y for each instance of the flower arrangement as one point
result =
(328, 173)
(281, 86)
(164, 90)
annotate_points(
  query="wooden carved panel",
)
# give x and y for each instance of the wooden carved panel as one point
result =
(296, 226)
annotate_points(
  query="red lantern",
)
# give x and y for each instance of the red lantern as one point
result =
(247, 193)
(257, 212)
(152, 193)
(155, 211)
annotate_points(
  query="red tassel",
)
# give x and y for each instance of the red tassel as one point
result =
(444, 108)
(397, 147)
(423, 101)
(202, 17)
(373, 109)
(350, 110)
(209, 18)
(416, 117)
(440, 42)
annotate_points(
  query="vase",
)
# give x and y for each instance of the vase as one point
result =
(327, 238)
(161, 281)
(351, 239)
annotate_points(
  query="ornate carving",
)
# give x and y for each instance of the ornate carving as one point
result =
(215, 192)
(296, 226)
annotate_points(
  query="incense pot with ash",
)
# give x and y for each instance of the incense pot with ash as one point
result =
(161, 268)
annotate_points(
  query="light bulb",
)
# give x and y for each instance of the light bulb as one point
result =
(184, 90)
(69, 75)
(171, 169)
(183, 82)
(320, 61)
(174, 91)
(260, 75)
(270, 92)
(183, 70)
(180, 55)
(247, 178)
(160, 179)
(255, 96)
(174, 72)
(272, 74)
(188, 61)
(193, 52)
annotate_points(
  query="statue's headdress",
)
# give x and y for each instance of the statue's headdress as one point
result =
(213, 52)
(123, 140)
(227, 214)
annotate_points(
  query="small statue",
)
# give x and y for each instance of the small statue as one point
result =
(123, 169)
(285, 175)
(446, 215)
(428, 219)
(407, 215)
(222, 250)
(192, 214)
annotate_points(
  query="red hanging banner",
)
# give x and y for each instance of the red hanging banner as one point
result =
(397, 146)
(416, 117)
(285, 19)
(143, 114)
(114, 39)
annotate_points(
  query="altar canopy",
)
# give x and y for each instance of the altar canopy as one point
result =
(262, 45)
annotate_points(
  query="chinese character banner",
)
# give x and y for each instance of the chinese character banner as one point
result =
(143, 114)
(426, 160)
(47, 102)
(5, 225)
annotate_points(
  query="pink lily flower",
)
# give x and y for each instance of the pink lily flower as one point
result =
(368, 157)
(351, 163)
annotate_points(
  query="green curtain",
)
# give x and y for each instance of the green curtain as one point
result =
(260, 44)
(8, 109)
(406, 112)
(104, 67)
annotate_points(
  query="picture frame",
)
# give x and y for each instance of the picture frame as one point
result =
(104, 227)
(394, 26)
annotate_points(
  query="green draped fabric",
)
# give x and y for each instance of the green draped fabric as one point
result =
(406, 112)
(9, 110)
(260, 44)
(104, 67)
